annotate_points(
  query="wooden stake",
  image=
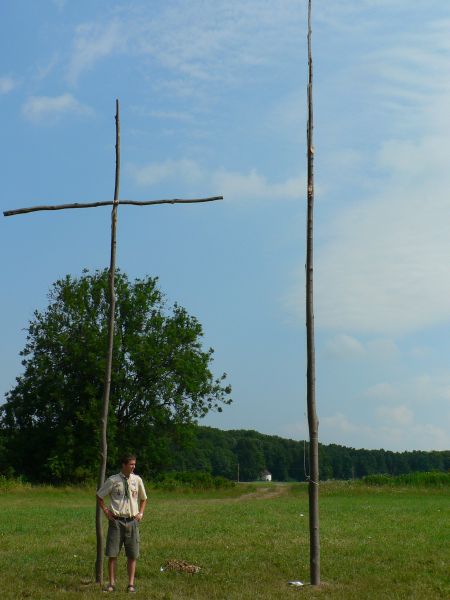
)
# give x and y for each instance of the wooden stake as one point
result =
(109, 355)
(313, 423)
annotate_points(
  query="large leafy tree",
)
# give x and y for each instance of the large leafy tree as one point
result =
(161, 379)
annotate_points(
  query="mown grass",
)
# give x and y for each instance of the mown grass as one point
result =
(376, 542)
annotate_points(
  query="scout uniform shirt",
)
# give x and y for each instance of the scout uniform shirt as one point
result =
(115, 488)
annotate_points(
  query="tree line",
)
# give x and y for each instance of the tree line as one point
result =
(220, 452)
(162, 385)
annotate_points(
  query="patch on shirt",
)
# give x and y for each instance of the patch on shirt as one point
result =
(133, 487)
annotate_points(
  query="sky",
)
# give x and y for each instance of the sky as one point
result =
(213, 102)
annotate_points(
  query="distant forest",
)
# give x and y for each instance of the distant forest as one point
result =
(220, 452)
(216, 452)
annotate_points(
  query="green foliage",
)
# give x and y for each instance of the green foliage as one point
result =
(13, 484)
(161, 380)
(426, 479)
(250, 456)
(219, 452)
(190, 480)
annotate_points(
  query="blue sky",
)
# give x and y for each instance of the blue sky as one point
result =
(213, 101)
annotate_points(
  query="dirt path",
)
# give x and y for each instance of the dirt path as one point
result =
(266, 492)
(262, 492)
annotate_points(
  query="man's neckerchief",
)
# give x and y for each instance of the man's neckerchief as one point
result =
(127, 488)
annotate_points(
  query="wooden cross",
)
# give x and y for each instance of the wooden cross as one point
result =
(112, 269)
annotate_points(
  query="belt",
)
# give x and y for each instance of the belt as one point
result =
(126, 519)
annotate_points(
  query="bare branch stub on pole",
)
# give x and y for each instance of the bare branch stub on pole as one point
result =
(111, 320)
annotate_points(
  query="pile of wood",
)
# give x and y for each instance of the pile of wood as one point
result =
(180, 565)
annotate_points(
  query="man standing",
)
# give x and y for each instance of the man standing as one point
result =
(127, 496)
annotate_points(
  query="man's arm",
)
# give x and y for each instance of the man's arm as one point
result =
(142, 506)
(108, 514)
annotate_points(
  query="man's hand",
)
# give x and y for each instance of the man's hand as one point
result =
(109, 515)
(139, 517)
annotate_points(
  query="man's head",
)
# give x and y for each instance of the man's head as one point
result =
(128, 462)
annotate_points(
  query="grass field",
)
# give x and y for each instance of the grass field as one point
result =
(376, 542)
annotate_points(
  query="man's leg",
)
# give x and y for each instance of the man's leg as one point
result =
(131, 564)
(112, 568)
(112, 549)
(132, 552)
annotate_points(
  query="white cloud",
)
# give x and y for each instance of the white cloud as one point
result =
(382, 349)
(220, 40)
(184, 170)
(361, 18)
(419, 392)
(232, 185)
(44, 70)
(396, 415)
(404, 414)
(252, 185)
(196, 41)
(7, 84)
(94, 42)
(396, 431)
(386, 269)
(343, 427)
(381, 263)
(50, 108)
(170, 115)
(348, 347)
(296, 430)
(384, 391)
(420, 352)
(344, 346)
(60, 4)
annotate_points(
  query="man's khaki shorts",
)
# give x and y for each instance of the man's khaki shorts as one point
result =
(122, 533)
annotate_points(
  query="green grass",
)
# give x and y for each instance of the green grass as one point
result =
(426, 479)
(376, 542)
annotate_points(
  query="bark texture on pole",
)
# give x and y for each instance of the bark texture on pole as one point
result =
(108, 367)
(313, 423)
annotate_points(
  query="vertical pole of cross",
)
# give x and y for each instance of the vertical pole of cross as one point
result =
(313, 423)
(109, 355)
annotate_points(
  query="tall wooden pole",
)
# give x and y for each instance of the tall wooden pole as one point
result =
(313, 423)
(112, 304)
(108, 367)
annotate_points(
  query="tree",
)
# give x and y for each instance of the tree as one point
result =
(251, 458)
(161, 379)
(276, 458)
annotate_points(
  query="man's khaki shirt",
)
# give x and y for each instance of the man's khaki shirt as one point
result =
(120, 505)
